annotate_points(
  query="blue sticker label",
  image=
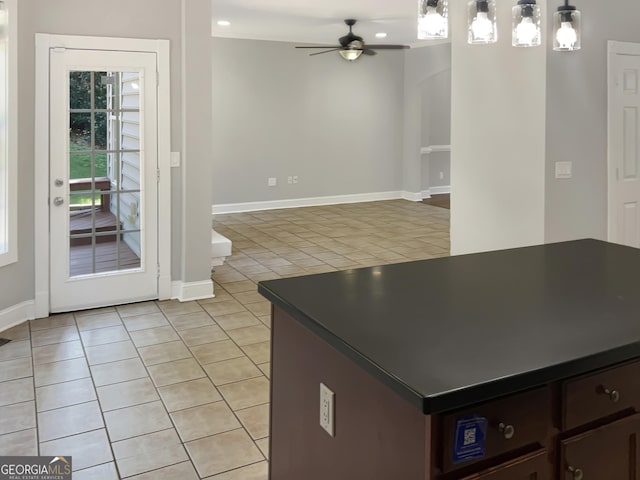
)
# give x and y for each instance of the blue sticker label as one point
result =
(470, 438)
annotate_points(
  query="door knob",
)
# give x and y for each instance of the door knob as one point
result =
(58, 201)
(59, 182)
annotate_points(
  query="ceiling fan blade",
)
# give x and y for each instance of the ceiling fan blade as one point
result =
(326, 51)
(388, 47)
(324, 46)
(368, 51)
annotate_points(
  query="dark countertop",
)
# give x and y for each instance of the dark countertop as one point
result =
(456, 331)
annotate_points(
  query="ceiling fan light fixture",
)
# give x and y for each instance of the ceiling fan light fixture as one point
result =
(433, 19)
(351, 54)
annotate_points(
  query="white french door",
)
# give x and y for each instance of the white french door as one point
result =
(624, 145)
(103, 178)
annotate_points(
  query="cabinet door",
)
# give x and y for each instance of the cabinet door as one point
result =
(531, 467)
(610, 452)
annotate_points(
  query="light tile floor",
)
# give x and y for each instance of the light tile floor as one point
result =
(180, 390)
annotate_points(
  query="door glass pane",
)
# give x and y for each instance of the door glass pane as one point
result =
(104, 200)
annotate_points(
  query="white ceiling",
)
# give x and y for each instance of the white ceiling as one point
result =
(317, 21)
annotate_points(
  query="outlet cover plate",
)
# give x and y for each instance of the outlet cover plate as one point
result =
(327, 403)
(564, 169)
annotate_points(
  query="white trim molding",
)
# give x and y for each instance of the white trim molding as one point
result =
(11, 166)
(436, 191)
(435, 148)
(15, 315)
(313, 202)
(44, 43)
(412, 196)
(189, 291)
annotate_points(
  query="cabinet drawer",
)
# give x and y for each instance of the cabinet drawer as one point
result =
(496, 427)
(599, 394)
(535, 466)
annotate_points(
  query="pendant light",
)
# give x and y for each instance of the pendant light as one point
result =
(482, 22)
(433, 21)
(566, 28)
(526, 24)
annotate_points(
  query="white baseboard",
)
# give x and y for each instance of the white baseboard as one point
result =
(412, 196)
(312, 202)
(15, 315)
(436, 191)
(189, 291)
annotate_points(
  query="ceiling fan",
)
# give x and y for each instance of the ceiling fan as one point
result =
(352, 46)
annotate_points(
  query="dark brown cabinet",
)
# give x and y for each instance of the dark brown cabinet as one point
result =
(532, 467)
(609, 452)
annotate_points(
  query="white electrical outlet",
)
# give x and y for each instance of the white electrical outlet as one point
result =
(295, 179)
(441, 175)
(327, 398)
(272, 182)
(289, 180)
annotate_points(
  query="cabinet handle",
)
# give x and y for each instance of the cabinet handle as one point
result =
(614, 395)
(576, 472)
(508, 431)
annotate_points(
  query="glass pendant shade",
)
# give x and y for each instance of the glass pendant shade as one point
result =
(526, 24)
(566, 28)
(482, 22)
(433, 19)
(351, 54)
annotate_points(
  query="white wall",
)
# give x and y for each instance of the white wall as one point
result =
(498, 140)
(576, 122)
(278, 112)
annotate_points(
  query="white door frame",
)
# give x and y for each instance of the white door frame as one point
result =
(44, 43)
(613, 48)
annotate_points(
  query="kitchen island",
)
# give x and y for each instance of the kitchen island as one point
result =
(512, 365)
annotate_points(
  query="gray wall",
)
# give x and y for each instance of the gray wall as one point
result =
(436, 128)
(197, 145)
(144, 19)
(577, 122)
(436, 109)
(17, 280)
(278, 112)
(423, 70)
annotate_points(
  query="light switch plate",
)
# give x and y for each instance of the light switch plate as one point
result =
(564, 169)
(175, 159)
(327, 403)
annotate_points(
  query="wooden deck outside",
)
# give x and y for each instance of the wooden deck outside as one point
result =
(81, 258)
(80, 223)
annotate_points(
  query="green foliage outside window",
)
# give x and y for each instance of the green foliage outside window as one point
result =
(80, 98)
